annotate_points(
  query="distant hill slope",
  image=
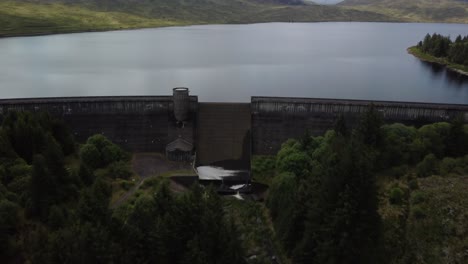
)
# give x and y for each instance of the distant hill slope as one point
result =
(26, 17)
(454, 11)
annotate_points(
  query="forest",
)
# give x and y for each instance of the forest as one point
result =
(50, 213)
(370, 194)
(354, 195)
(443, 47)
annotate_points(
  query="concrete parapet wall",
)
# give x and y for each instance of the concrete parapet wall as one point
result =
(276, 119)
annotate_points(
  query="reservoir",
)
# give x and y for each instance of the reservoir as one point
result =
(231, 63)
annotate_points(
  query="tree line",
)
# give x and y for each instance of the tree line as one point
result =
(442, 46)
(324, 199)
(51, 212)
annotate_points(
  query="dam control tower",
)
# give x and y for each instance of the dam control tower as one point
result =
(181, 128)
(181, 100)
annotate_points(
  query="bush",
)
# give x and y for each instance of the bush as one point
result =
(111, 153)
(99, 141)
(413, 184)
(447, 166)
(398, 171)
(263, 164)
(126, 185)
(418, 212)
(119, 169)
(418, 197)
(90, 156)
(108, 151)
(428, 166)
(396, 195)
(152, 182)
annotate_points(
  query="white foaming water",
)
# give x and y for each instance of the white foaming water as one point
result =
(214, 173)
(237, 187)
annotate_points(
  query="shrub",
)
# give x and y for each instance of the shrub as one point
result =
(413, 184)
(111, 153)
(447, 166)
(428, 166)
(263, 164)
(296, 162)
(99, 141)
(398, 171)
(418, 197)
(91, 156)
(126, 185)
(119, 169)
(418, 212)
(396, 195)
(152, 182)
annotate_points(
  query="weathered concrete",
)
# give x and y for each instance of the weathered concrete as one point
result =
(223, 132)
(276, 119)
(137, 123)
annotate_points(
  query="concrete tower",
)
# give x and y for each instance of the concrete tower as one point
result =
(181, 103)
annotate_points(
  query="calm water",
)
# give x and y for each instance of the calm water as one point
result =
(234, 62)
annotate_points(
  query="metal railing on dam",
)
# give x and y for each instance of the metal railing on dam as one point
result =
(276, 119)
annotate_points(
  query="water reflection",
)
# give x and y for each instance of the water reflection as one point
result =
(455, 79)
(435, 68)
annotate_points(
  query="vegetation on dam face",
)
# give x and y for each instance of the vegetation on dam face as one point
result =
(442, 50)
(19, 17)
(368, 194)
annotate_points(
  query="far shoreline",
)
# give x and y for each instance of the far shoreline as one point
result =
(460, 69)
(176, 24)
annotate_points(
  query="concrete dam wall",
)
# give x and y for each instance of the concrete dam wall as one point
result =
(137, 123)
(223, 133)
(219, 131)
(276, 119)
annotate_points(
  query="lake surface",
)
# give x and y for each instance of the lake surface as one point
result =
(234, 62)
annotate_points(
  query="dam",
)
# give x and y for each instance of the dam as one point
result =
(220, 134)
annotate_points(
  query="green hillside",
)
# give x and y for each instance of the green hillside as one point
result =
(452, 11)
(30, 17)
(54, 16)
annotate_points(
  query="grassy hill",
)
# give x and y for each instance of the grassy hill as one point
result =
(53, 16)
(452, 11)
(30, 17)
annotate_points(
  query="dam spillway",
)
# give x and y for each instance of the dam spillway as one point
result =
(223, 133)
(148, 123)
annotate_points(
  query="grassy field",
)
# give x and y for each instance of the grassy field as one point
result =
(33, 19)
(449, 11)
(443, 61)
(58, 16)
